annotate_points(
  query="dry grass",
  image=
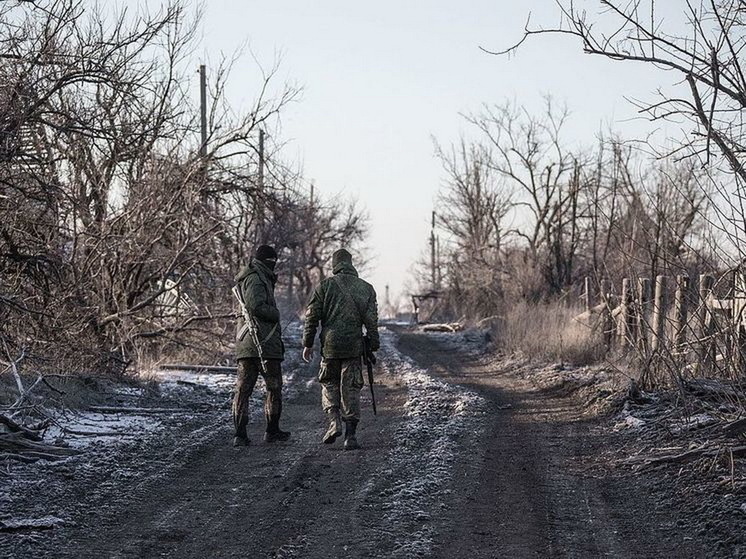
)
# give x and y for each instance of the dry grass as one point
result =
(548, 331)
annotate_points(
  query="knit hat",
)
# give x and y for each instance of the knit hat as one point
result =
(340, 256)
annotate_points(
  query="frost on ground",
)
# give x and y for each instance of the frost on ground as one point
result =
(114, 447)
(469, 342)
(125, 434)
(442, 423)
(82, 429)
(89, 429)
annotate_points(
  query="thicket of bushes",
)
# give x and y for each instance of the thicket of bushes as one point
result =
(119, 233)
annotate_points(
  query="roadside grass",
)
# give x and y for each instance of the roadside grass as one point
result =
(548, 331)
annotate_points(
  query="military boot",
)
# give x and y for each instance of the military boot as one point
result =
(350, 438)
(241, 437)
(240, 440)
(273, 432)
(335, 426)
(276, 435)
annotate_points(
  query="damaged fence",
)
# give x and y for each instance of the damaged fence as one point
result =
(674, 323)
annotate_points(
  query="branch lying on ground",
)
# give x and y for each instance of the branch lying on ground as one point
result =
(22, 449)
(702, 452)
(113, 409)
(18, 428)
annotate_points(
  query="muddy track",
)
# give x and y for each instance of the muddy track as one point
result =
(463, 460)
(542, 488)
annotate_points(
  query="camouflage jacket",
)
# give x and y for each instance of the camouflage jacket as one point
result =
(343, 304)
(257, 284)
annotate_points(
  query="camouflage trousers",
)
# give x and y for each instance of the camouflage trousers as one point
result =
(249, 370)
(341, 381)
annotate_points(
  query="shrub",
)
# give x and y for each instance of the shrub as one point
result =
(548, 331)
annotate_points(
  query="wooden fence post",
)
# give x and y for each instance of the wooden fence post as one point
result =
(643, 308)
(706, 324)
(606, 323)
(659, 314)
(681, 310)
(628, 321)
(621, 319)
(587, 294)
(739, 317)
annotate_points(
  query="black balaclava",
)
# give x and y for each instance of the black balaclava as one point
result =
(267, 256)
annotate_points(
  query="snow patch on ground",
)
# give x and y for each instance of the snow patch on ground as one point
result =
(173, 381)
(42, 523)
(470, 341)
(629, 422)
(440, 419)
(689, 423)
(83, 430)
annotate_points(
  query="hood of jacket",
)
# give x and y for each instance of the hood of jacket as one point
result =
(258, 267)
(344, 267)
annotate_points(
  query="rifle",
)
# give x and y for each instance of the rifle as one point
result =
(249, 327)
(369, 358)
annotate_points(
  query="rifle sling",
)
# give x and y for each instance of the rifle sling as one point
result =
(249, 318)
(348, 295)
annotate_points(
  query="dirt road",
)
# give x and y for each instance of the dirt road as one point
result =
(539, 487)
(460, 462)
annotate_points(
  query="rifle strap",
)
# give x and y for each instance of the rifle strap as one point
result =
(274, 329)
(346, 291)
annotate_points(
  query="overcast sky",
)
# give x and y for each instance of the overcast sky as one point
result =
(382, 78)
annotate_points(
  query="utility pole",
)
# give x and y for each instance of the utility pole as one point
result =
(387, 304)
(203, 109)
(291, 281)
(433, 265)
(261, 160)
(260, 190)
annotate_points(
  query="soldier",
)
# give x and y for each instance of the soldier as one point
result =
(257, 285)
(343, 304)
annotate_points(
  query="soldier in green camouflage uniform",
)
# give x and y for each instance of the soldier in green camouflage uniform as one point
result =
(257, 285)
(343, 304)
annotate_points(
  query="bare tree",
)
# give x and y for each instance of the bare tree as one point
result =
(704, 47)
(126, 233)
(474, 203)
(530, 155)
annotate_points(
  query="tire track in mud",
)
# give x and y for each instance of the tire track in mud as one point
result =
(191, 495)
(537, 486)
(393, 492)
(441, 425)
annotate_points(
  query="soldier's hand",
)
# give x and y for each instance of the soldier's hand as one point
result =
(307, 354)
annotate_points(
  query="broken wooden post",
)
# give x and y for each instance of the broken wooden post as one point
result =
(619, 316)
(681, 310)
(659, 314)
(643, 310)
(706, 324)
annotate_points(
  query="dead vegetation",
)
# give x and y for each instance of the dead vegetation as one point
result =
(625, 255)
(547, 332)
(123, 216)
(534, 224)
